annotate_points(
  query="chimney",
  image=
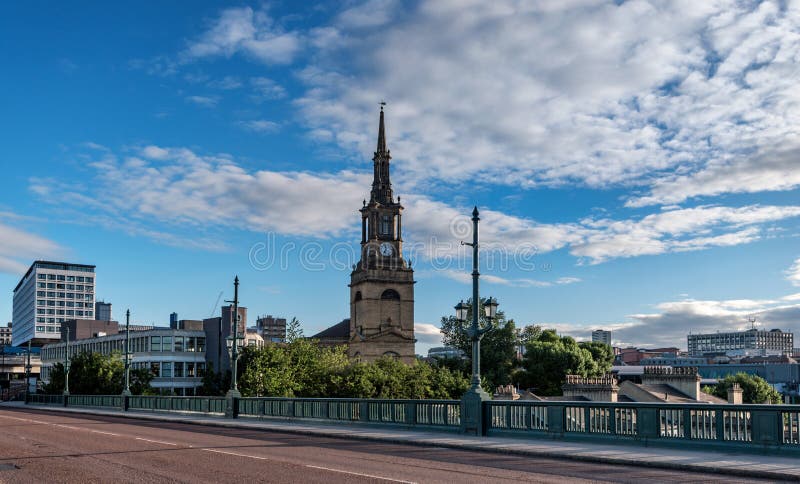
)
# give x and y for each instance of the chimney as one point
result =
(684, 379)
(600, 389)
(735, 394)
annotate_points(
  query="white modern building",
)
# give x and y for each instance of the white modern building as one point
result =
(49, 294)
(761, 342)
(177, 358)
(601, 336)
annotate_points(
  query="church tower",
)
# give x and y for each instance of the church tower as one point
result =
(382, 283)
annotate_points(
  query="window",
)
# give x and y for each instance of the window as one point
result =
(61, 294)
(70, 287)
(166, 343)
(78, 313)
(390, 294)
(51, 285)
(51, 277)
(60, 312)
(189, 343)
(41, 276)
(60, 303)
(89, 313)
(201, 343)
(89, 279)
(41, 285)
(51, 320)
(190, 370)
(79, 287)
(155, 343)
(87, 297)
(71, 304)
(40, 320)
(70, 312)
(89, 289)
(51, 311)
(41, 302)
(41, 293)
(60, 286)
(61, 277)
(40, 311)
(178, 345)
(385, 225)
(51, 303)
(166, 369)
(79, 279)
(70, 278)
(70, 295)
(155, 368)
(178, 370)
(40, 329)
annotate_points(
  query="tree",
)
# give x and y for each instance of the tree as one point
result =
(293, 331)
(754, 388)
(497, 346)
(528, 334)
(97, 374)
(548, 360)
(602, 354)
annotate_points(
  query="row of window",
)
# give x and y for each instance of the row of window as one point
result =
(62, 277)
(65, 312)
(172, 369)
(68, 287)
(69, 295)
(139, 344)
(70, 304)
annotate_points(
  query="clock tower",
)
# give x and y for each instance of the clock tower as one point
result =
(382, 283)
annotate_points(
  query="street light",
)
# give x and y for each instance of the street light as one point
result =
(66, 365)
(28, 374)
(471, 402)
(234, 345)
(127, 391)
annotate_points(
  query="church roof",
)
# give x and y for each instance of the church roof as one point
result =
(338, 330)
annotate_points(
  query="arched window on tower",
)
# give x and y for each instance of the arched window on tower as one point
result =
(357, 297)
(386, 225)
(390, 294)
(392, 354)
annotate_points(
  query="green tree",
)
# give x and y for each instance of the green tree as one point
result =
(754, 388)
(602, 354)
(97, 374)
(528, 334)
(497, 346)
(293, 331)
(550, 358)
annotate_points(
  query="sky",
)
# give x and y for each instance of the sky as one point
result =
(635, 163)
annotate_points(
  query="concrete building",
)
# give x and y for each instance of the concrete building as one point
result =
(5, 335)
(764, 341)
(47, 295)
(271, 328)
(88, 328)
(217, 331)
(102, 311)
(601, 336)
(176, 358)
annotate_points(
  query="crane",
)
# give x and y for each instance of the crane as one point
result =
(214, 309)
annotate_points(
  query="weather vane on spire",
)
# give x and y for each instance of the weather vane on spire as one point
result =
(382, 103)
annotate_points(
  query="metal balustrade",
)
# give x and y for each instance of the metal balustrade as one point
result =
(741, 426)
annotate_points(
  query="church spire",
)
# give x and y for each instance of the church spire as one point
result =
(381, 185)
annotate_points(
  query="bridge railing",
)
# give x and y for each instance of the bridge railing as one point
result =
(763, 425)
(212, 405)
(433, 413)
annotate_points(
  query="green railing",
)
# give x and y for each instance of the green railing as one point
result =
(38, 399)
(94, 401)
(214, 405)
(737, 425)
(433, 413)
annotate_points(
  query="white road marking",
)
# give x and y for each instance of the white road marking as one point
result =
(105, 433)
(370, 476)
(156, 441)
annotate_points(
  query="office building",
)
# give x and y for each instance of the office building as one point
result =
(217, 330)
(102, 311)
(271, 328)
(760, 341)
(445, 352)
(47, 295)
(177, 358)
(5, 335)
(601, 336)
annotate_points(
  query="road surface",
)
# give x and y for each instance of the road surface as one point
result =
(38, 446)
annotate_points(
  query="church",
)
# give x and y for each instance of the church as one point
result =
(382, 283)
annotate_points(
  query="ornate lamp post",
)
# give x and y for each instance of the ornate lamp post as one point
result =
(66, 366)
(471, 402)
(127, 391)
(234, 344)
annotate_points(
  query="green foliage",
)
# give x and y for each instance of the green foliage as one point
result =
(214, 384)
(602, 354)
(97, 374)
(293, 331)
(304, 369)
(497, 346)
(754, 388)
(528, 334)
(550, 357)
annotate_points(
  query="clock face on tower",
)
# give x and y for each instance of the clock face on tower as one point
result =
(386, 249)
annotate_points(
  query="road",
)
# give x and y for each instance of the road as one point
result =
(40, 447)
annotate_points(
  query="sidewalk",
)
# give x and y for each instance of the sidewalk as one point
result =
(743, 465)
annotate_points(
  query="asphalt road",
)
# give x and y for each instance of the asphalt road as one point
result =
(36, 446)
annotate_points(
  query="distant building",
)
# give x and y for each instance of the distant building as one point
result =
(5, 335)
(633, 356)
(271, 328)
(176, 358)
(47, 295)
(102, 311)
(217, 331)
(338, 334)
(764, 341)
(601, 336)
(173, 320)
(445, 352)
(88, 328)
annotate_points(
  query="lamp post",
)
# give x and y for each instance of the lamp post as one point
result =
(5, 374)
(66, 366)
(471, 402)
(233, 343)
(28, 374)
(127, 391)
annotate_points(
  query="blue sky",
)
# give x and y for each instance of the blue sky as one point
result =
(635, 163)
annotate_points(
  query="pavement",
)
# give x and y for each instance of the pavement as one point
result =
(774, 467)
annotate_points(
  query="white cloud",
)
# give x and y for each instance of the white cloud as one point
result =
(465, 277)
(266, 89)
(427, 334)
(203, 101)
(678, 99)
(19, 248)
(260, 126)
(793, 273)
(242, 30)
